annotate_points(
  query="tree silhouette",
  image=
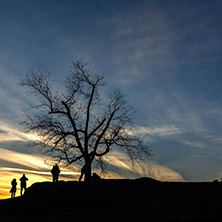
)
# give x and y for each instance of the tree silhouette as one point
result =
(81, 122)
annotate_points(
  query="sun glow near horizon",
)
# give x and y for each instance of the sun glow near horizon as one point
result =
(7, 174)
(37, 170)
(17, 164)
(13, 164)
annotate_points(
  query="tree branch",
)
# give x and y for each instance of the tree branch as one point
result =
(74, 127)
(87, 118)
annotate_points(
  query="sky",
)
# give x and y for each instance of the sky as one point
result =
(165, 56)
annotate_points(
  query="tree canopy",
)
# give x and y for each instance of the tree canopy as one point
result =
(81, 122)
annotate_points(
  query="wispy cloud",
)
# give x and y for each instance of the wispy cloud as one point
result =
(13, 132)
(142, 38)
(163, 131)
(26, 160)
(196, 144)
(120, 166)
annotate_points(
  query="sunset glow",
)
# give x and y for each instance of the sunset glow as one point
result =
(37, 170)
(32, 166)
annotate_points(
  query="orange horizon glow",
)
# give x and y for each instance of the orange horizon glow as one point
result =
(41, 172)
(34, 177)
(32, 166)
(37, 170)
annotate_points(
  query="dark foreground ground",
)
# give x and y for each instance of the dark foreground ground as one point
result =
(116, 200)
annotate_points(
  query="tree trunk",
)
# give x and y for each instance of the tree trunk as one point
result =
(88, 172)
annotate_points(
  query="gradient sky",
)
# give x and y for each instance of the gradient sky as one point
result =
(166, 56)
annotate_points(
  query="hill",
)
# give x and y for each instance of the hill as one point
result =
(142, 199)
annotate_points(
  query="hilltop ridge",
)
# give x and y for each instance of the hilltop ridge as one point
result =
(92, 185)
(116, 200)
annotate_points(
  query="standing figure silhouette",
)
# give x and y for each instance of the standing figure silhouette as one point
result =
(55, 173)
(23, 180)
(13, 189)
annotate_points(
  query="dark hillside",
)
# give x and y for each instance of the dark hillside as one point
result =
(143, 199)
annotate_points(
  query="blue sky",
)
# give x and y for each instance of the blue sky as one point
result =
(166, 56)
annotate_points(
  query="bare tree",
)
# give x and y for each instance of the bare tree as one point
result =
(81, 122)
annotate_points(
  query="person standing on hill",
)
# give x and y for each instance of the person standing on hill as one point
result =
(23, 180)
(13, 189)
(55, 173)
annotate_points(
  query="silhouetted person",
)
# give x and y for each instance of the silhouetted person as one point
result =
(23, 180)
(13, 189)
(85, 170)
(55, 173)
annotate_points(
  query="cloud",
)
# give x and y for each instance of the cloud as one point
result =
(12, 132)
(12, 161)
(26, 160)
(142, 38)
(2, 131)
(120, 167)
(163, 131)
(196, 144)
